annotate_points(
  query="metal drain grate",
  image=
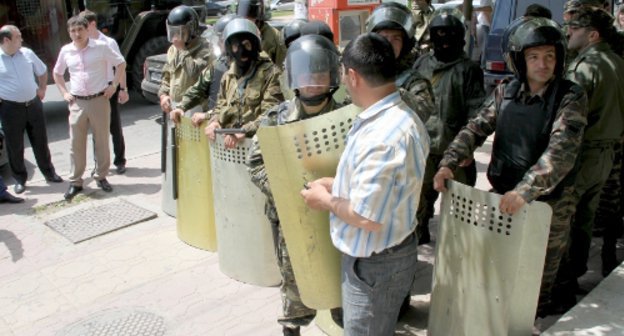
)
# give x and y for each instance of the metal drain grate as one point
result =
(118, 323)
(88, 223)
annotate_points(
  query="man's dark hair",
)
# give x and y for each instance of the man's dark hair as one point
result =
(597, 19)
(89, 15)
(77, 20)
(537, 10)
(6, 32)
(372, 57)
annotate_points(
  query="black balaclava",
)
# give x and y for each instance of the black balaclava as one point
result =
(251, 55)
(454, 41)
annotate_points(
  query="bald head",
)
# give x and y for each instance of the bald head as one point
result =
(10, 39)
(7, 31)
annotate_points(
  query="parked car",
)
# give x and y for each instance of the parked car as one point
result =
(282, 5)
(152, 75)
(494, 66)
(218, 8)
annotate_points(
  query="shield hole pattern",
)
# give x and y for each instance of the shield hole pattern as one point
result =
(323, 139)
(480, 215)
(188, 132)
(235, 155)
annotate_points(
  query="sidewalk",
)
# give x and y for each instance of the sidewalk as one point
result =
(143, 277)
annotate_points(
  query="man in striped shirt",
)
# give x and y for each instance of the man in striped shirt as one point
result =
(374, 197)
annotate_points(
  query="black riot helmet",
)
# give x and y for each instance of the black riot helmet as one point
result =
(182, 21)
(316, 27)
(251, 9)
(446, 31)
(533, 32)
(395, 16)
(219, 26)
(292, 30)
(313, 61)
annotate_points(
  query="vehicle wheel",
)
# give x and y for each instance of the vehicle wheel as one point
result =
(154, 46)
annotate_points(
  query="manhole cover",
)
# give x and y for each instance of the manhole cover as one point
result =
(88, 223)
(118, 323)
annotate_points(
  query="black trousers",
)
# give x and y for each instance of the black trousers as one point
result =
(17, 118)
(116, 131)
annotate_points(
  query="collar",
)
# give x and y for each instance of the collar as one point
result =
(90, 44)
(380, 106)
(525, 92)
(594, 48)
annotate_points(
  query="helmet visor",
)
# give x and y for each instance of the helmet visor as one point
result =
(178, 33)
(394, 15)
(312, 69)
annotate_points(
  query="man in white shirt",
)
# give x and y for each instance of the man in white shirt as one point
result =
(88, 62)
(21, 109)
(374, 197)
(120, 96)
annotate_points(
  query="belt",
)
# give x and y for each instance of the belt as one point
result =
(398, 246)
(89, 97)
(24, 104)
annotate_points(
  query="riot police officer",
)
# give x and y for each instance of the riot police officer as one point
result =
(249, 88)
(254, 10)
(188, 55)
(207, 86)
(292, 31)
(395, 22)
(458, 87)
(539, 119)
(312, 75)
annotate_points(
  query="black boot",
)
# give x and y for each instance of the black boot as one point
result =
(291, 331)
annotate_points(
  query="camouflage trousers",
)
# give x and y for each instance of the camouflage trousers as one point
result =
(428, 195)
(563, 208)
(295, 313)
(608, 218)
(596, 165)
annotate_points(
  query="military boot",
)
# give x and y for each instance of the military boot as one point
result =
(291, 331)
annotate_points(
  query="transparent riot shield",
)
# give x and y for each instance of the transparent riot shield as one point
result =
(293, 154)
(488, 266)
(244, 234)
(195, 206)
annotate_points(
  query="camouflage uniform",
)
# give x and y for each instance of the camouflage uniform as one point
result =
(609, 213)
(546, 174)
(600, 72)
(415, 90)
(242, 99)
(458, 86)
(295, 313)
(272, 44)
(206, 87)
(423, 18)
(183, 68)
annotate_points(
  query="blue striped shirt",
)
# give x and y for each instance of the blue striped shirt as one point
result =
(17, 75)
(381, 172)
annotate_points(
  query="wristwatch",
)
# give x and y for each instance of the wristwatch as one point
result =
(123, 89)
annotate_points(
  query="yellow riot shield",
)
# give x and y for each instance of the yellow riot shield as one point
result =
(244, 235)
(293, 154)
(488, 265)
(195, 206)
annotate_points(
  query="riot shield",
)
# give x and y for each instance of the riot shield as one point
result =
(293, 154)
(244, 234)
(195, 206)
(488, 265)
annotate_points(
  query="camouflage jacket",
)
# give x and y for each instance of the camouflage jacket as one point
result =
(458, 91)
(554, 163)
(422, 20)
(417, 93)
(183, 68)
(272, 45)
(243, 98)
(286, 112)
(200, 91)
(600, 72)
